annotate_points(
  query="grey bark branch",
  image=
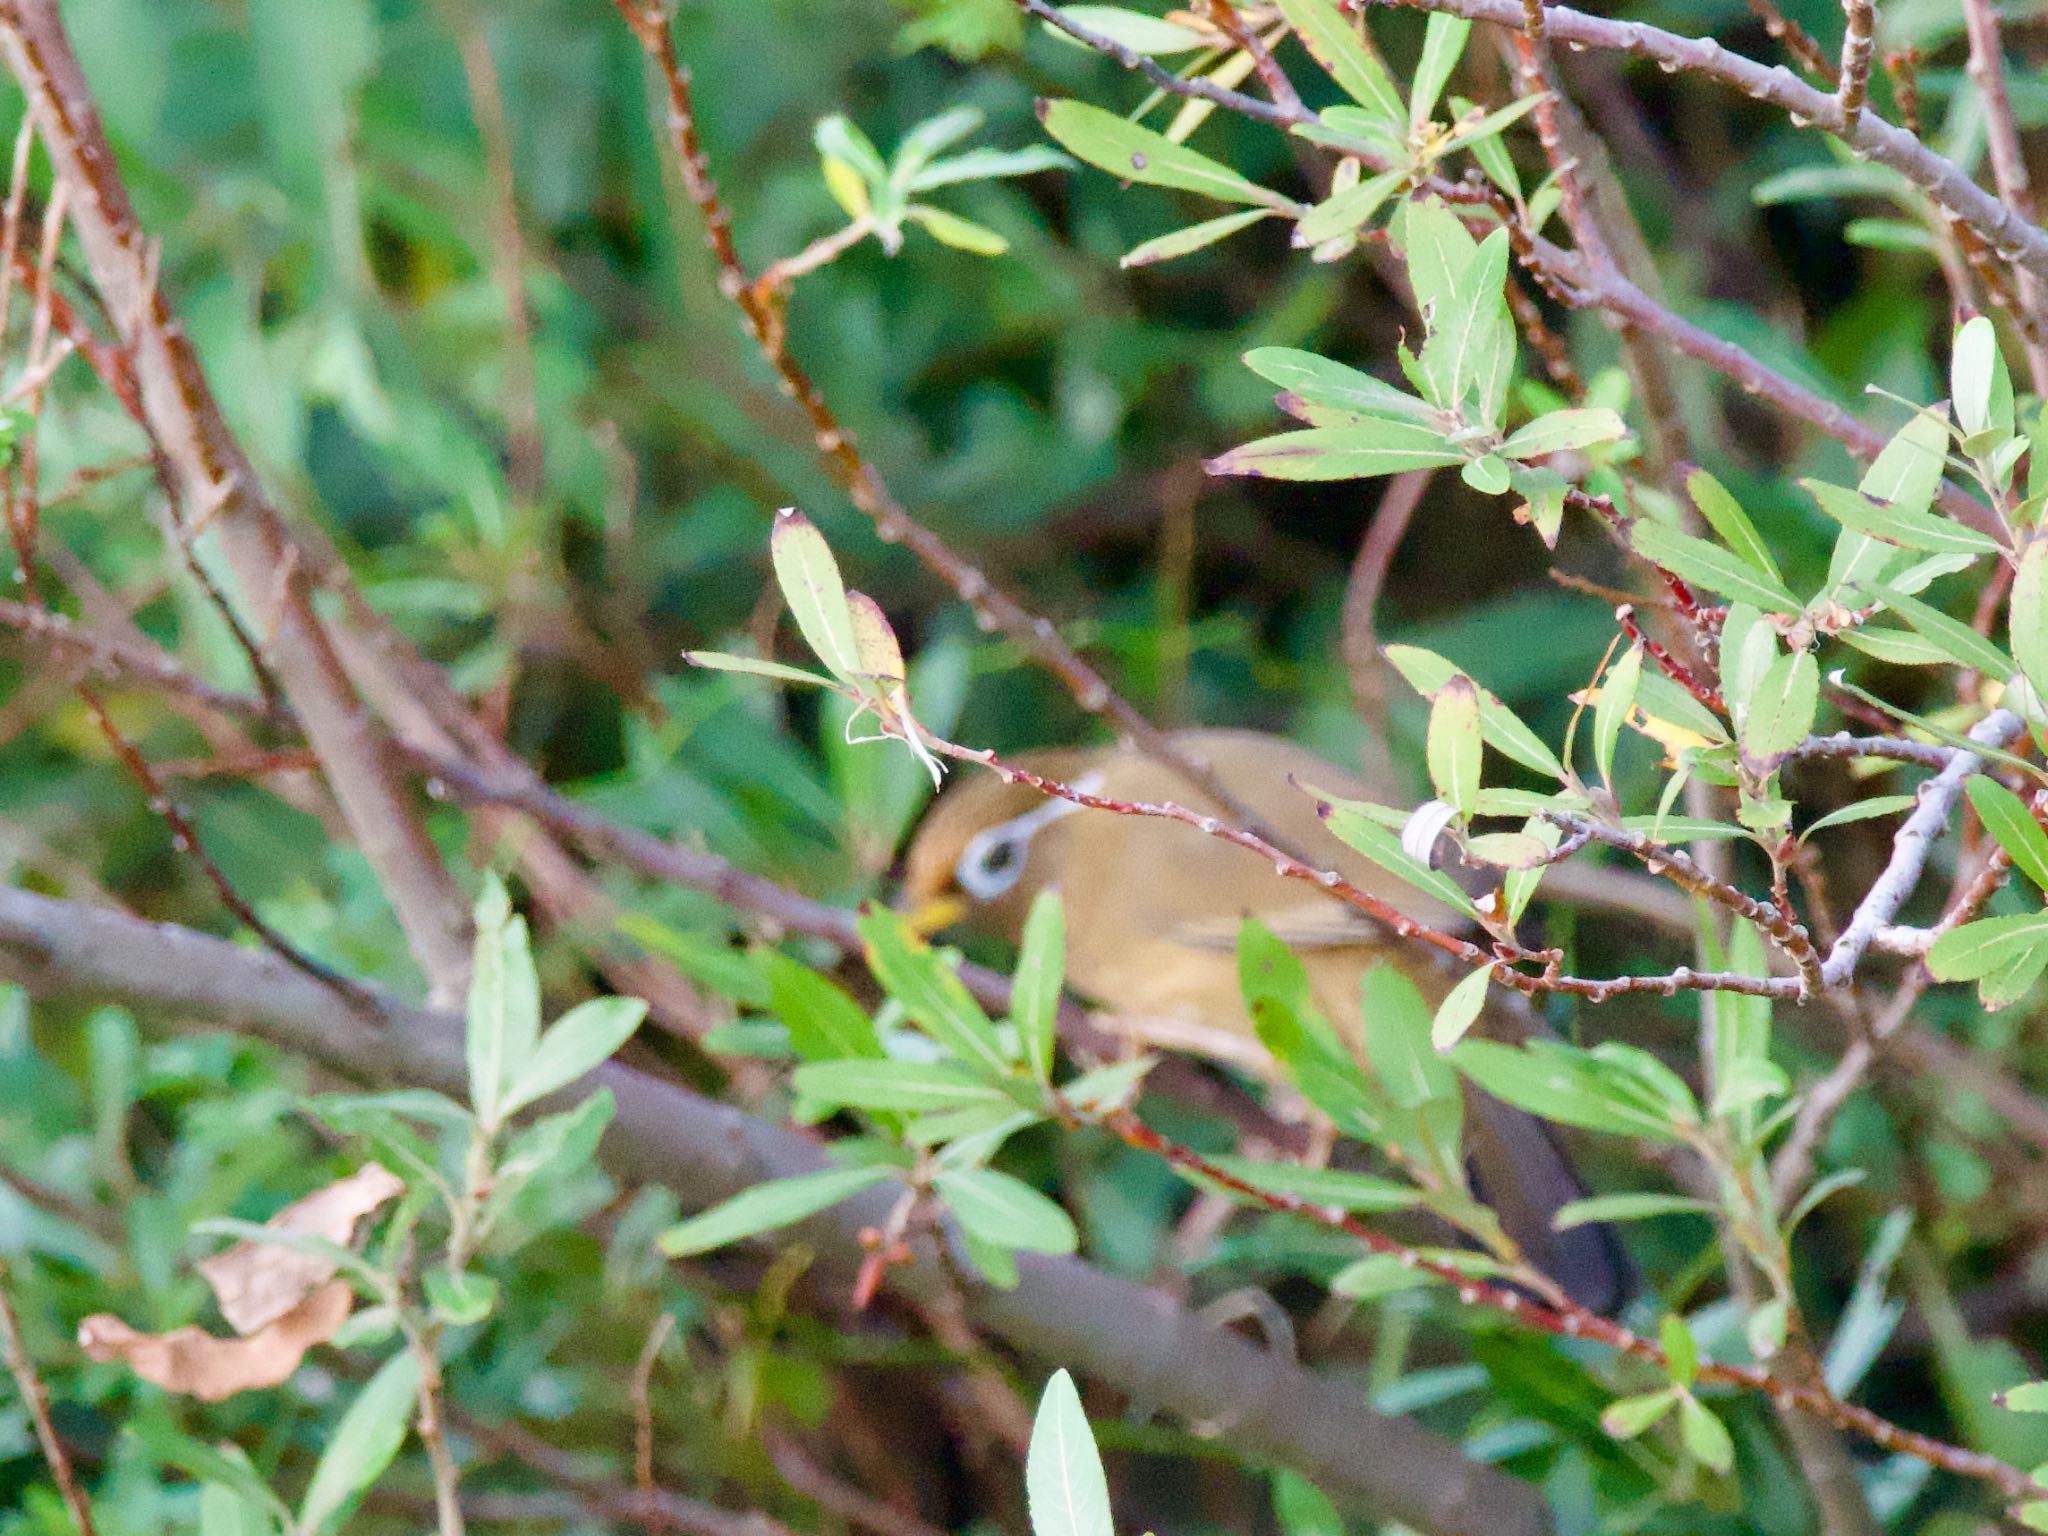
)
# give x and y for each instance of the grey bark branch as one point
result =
(1064, 1312)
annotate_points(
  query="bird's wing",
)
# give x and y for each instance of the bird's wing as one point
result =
(1311, 926)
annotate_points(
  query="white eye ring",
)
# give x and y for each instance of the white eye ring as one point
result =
(993, 860)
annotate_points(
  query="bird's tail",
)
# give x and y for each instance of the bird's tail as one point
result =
(1519, 1169)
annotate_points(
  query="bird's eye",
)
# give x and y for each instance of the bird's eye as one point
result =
(991, 863)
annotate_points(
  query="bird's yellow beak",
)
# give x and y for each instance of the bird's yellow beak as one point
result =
(935, 913)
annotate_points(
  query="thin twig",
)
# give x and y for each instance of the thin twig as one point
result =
(36, 1398)
(643, 1421)
(2008, 160)
(1854, 75)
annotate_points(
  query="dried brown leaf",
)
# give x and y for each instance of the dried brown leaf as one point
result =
(258, 1284)
(191, 1361)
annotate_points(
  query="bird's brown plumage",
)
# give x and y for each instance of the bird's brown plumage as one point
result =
(1154, 907)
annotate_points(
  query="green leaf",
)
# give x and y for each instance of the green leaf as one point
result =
(1617, 700)
(1455, 744)
(951, 229)
(811, 585)
(581, 1040)
(1855, 179)
(1908, 471)
(1350, 825)
(1182, 242)
(987, 165)
(1323, 382)
(1614, 1088)
(916, 148)
(837, 137)
(504, 1002)
(1326, 32)
(1489, 475)
(1977, 949)
(703, 957)
(225, 1511)
(1682, 1353)
(1375, 1276)
(1135, 30)
(1035, 989)
(1782, 708)
(1437, 247)
(1562, 431)
(2028, 615)
(1627, 1417)
(1902, 648)
(363, 1443)
(1006, 1211)
(1898, 524)
(1889, 235)
(1979, 386)
(1323, 1186)
(1125, 150)
(2006, 817)
(1442, 44)
(1466, 329)
(460, 1300)
(767, 1207)
(2028, 1397)
(1862, 810)
(1277, 995)
(1397, 1040)
(225, 1466)
(1627, 1207)
(1710, 566)
(1302, 1509)
(895, 1085)
(824, 1023)
(930, 991)
(1459, 1010)
(1503, 730)
(720, 661)
(1725, 516)
(1706, 1438)
(1063, 1481)
(1346, 211)
(558, 1144)
(1339, 453)
(1960, 643)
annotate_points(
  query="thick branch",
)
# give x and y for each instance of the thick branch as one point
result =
(1063, 1311)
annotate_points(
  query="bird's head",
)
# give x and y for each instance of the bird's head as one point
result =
(985, 849)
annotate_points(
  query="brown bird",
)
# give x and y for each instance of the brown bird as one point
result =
(1153, 911)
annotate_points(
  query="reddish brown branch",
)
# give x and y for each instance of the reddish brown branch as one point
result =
(36, 1398)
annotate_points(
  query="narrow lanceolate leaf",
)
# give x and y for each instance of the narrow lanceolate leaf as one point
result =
(1908, 470)
(1617, 699)
(1442, 43)
(1323, 382)
(930, 991)
(811, 585)
(765, 1208)
(1710, 566)
(720, 661)
(503, 1005)
(2006, 817)
(1134, 29)
(1323, 1186)
(1454, 744)
(1339, 453)
(1326, 32)
(1706, 1438)
(1782, 708)
(580, 1041)
(2028, 615)
(1980, 948)
(1397, 1040)
(1347, 210)
(1628, 1417)
(363, 1443)
(1005, 1211)
(1503, 729)
(1063, 1479)
(1183, 242)
(1628, 1207)
(1122, 148)
(1459, 1011)
(1471, 345)
(1561, 431)
(915, 1087)
(1901, 525)
(951, 229)
(1035, 990)
(1962, 644)
(1725, 516)
(1976, 372)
